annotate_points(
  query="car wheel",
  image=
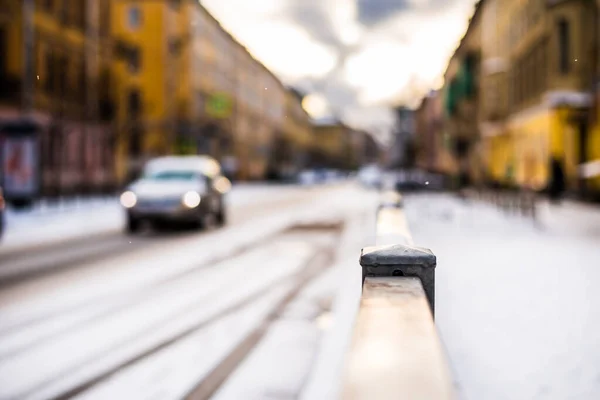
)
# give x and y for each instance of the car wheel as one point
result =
(221, 216)
(133, 225)
(201, 222)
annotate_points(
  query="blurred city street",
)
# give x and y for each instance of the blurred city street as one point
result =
(300, 199)
(169, 314)
(263, 308)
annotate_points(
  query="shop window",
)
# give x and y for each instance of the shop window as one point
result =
(563, 46)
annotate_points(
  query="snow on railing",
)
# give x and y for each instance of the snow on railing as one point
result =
(521, 202)
(396, 352)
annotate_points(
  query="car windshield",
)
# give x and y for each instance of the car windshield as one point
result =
(172, 175)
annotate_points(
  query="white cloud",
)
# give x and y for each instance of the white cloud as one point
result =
(397, 59)
(285, 48)
(344, 19)
(379, 71)
(291, 52)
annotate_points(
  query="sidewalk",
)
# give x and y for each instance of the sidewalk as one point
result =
(517, 305)
(48, 224)
(570, 217)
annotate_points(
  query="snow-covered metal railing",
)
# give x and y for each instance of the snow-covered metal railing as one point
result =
(396, 352)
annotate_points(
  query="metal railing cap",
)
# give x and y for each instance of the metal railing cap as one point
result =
(396, 255)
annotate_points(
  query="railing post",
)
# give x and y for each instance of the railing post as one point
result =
(401, 260)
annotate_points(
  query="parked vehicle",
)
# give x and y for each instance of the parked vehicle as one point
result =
(417, 180)
(371, 176)
(183, 189)
(307, 177)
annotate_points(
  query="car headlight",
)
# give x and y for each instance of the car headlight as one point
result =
(191, 199)
(128, 199)
(222, 185)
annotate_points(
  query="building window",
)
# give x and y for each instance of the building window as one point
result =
(82, 92)
(134, 17)
(134, 60)
(544, 63)
(563, 46)
(80, 14)
(106, 104)
(104, 21)
(49, 75)
(3, 50)
(48, 5)
(134, 103)
(63, 64)
(64, 13)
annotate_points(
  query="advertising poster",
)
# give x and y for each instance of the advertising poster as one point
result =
(20, 165)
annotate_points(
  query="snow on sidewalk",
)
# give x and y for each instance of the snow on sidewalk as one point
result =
(24, 230)
(517, 304)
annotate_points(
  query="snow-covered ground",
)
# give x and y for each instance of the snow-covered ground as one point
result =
(195, 298)
(517, 303)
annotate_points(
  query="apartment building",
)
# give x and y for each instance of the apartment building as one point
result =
(462, 95)
(49, 73)
(539, 69)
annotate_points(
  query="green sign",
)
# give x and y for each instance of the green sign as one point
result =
(185, 147)
(219, 105)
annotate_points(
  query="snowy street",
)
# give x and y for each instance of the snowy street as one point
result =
(172, 314)
(263, 308)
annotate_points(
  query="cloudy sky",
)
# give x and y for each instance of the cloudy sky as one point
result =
(355, 57)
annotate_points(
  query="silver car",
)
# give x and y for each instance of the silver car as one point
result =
(182, 189)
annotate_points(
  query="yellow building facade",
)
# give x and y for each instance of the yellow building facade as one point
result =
(145, 77)
(594, 140)
(50, 72)
(537, 73)
(186, 86)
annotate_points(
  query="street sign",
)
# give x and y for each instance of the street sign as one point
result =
(219, 105)
(185, 146)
